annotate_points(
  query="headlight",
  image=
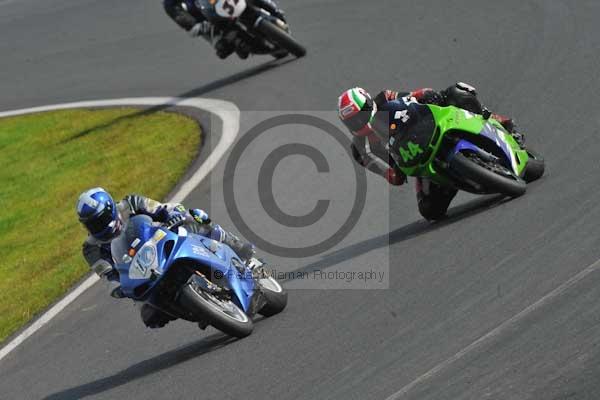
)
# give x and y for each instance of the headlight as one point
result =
(144, 262)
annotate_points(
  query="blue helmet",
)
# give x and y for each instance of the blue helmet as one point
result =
(98, 212)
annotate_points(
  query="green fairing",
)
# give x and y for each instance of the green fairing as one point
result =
(454, 119)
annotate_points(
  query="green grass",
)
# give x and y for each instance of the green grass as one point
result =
(46, 161)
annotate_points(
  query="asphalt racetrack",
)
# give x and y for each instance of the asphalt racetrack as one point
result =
(481, 306)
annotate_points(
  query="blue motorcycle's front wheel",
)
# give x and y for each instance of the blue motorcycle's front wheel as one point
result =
(224, 315)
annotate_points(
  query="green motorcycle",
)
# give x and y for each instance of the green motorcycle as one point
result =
(456, 148)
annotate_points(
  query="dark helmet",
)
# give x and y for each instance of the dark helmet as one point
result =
(98, 212)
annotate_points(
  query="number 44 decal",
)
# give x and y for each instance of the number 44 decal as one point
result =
(410, 152)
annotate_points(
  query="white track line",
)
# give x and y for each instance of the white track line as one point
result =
(230, 117)
(497, 331)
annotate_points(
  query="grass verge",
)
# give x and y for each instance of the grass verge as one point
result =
(46, 160)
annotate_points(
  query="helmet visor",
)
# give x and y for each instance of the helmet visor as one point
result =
(358, 121)
(99, 222)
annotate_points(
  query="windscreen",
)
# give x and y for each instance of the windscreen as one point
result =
(138, 227)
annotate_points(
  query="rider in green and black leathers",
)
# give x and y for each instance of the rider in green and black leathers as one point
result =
(358, 111)
(193, 21)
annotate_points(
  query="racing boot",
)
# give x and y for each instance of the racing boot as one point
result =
(243, 249)
(433, 200)
(154, 318)
(206, 227)
(242, 49)
(224, 48)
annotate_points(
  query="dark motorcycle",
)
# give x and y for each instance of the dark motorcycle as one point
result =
(249, 26)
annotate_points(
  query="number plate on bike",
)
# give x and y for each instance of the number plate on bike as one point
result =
(411, 131)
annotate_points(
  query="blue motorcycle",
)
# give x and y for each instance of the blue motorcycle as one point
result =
(192, 277)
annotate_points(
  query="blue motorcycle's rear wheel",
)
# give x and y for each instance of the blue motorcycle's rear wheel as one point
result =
(275, 296)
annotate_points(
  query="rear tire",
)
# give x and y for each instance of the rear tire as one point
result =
(281, 38)
(276, 298)
(206, 310)
(535, 167)
(493, 182)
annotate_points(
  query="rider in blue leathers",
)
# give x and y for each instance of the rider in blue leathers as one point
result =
(105, 220)
(192, 20)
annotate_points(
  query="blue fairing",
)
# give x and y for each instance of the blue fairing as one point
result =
(465, 145)
(139, 275)
(491, 132)
(221, 261)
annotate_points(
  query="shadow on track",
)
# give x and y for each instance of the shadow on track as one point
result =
(145, 368)
(399, 235)
(199, 91)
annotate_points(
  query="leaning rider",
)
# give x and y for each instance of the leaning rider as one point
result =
(105, 220)
(358, 110)
(194, 22)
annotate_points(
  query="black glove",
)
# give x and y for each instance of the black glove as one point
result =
(175, 219)
(432, 97)
(201, 29)
(486, 113)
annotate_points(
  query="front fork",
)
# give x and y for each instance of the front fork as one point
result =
(247, 29)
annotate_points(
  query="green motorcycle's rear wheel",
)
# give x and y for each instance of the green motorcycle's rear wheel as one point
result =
(535, 167)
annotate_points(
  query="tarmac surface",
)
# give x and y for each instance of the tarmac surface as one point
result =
(477, 306)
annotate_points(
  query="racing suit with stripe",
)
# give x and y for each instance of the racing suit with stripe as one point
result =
(370, 150)
(98, 253)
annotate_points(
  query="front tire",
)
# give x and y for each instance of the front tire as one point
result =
(226, 316)
(493, 182)
(281, 38)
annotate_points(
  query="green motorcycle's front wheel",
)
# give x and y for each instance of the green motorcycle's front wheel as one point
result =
(487, 177)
